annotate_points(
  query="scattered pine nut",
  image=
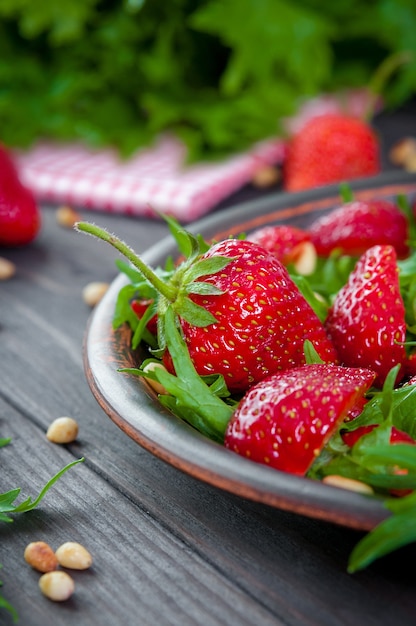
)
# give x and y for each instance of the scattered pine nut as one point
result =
(305, 258)
(93, 292)
(266, 176)
(66, 216)
(40, 556)
(74, 556)
(154, 384)
(7, 269)
(57, 586)
(403, 151)
(347, 483)
(62, 430)
(410, 165)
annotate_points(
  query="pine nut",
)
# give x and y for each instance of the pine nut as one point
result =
(7, 269)
(402, 151)
(265, 177)
(62, 430)
(305, 258)
(154, 384)
(73, 555)
(40, 556)
(57, 586)
(93, 292)
(410, 165)
(66, 216)
(347, 483)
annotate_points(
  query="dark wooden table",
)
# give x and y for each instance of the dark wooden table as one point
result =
(167, 549)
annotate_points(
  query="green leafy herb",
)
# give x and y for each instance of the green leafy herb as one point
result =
(190, 397)
(394, 532)
(7, 499)
(7, 606)
(7, 507)
(220, 75)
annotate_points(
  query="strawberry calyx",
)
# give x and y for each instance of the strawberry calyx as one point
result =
(172, 290)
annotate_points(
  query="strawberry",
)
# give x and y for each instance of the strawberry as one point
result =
(396, 436)
(356, 409)
(261, 319)
(330, 148)
(285, 420)
(240, 313)
(366, 321)
(355, 226)
(140, 306)
(291, 245)
(20, 219)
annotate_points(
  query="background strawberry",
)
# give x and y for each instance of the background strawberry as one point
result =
(356, 226)
(367, 319)
(285, 420)
(20, 219)
(330, 148)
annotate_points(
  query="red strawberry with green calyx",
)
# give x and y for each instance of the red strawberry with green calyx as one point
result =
(240, 313)
(285, 420)
(366, 321)
(261, 319)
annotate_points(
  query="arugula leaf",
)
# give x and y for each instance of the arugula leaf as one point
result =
(394, 532)
(7, 506)
(190, 397)
(7, 499)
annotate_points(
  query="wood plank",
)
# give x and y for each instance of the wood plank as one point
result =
(227, 561)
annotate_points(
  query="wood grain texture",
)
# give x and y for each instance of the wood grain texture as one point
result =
(167, 548)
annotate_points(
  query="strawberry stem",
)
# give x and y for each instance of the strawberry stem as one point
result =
(381, 76)
(163, 288)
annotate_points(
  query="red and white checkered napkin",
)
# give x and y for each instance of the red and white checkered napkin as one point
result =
(155, 180)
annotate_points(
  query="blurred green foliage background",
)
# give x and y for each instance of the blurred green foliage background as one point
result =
(221, 74)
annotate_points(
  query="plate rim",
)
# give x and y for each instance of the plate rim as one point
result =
(131, 404)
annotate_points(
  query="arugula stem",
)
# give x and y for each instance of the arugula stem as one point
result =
(163, 288)
(192, 390)
(382, 74)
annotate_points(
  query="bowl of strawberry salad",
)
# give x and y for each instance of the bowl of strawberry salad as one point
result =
(270, 351)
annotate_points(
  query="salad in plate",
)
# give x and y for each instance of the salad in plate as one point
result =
(293, 348)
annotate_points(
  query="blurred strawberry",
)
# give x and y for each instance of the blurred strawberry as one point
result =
(20, 219)
(355, 226)
(330, 148)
